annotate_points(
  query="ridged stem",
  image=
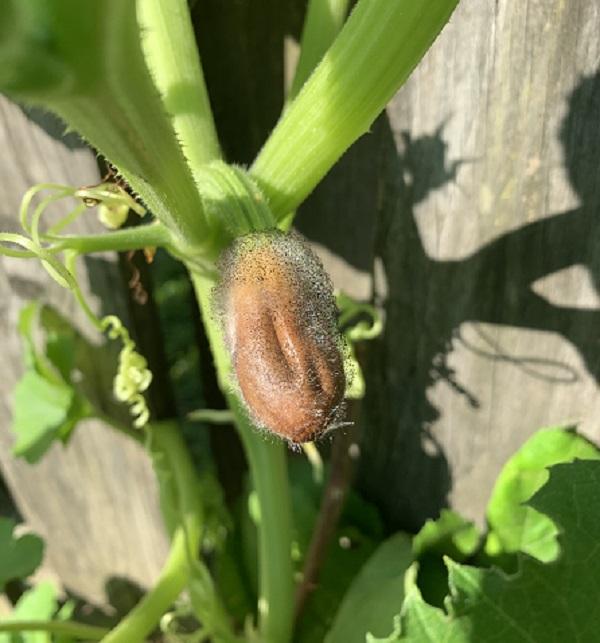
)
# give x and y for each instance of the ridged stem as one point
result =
(170, 49)
(268, 467)
(376, 50)
(323, 21)
(152, 235)
(69, 629)
(182, 489)
(101, 87)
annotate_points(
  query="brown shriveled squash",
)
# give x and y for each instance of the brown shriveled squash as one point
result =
(278, 313)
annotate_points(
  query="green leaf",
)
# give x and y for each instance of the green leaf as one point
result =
(19, 557)
(39, 46)
(450, 535)
(515, 526)
(34, 358)
(61, 342)
(228, 571)
(25, 325)
(37, 604)
(346, 556)
(356, 538)
(47, 405)
(376, 594)
(65, 613)
(555, 601)
(41, 408)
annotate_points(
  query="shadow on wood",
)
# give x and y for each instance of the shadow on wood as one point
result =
(428, 301)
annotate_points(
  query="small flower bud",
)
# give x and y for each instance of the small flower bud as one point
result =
(278, 314)
(113, 215)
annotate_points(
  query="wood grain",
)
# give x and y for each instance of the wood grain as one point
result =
(94, 502)
(473, 207)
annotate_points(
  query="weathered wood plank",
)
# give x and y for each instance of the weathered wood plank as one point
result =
(95, 502)
(477, 193)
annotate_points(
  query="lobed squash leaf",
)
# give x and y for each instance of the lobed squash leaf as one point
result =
(552, 601)
(19, 556)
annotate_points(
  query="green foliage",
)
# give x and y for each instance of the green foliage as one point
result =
(369, 60)
(179, 487)
(346, 556)
(41, 415)
(67, 56)
(518, 527)
(37, 604)
(19, 556)
(323, 21)
(376, 594)
(555, 601)
(484, 603)
(449, 535)
(230, 577)
(65, 613)
(40, 48)
(46, 405)
(356, 538)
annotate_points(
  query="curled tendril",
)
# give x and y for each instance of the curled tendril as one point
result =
(114, 204)
(133, 375)
(361, 330)
(30, 248)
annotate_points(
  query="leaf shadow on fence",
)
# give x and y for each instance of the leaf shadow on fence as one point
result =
(403, 469)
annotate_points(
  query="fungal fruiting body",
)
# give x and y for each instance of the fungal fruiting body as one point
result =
(276, 305)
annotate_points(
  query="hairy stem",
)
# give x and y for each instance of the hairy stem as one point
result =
(332, 504)
(173, 57)
(323, 21)
(180, 483)
(183, 493)
(144, 236)
(267, 461)
(268, 466)
(376, 50)
(70, 629)
(144, 617)
(107, 95)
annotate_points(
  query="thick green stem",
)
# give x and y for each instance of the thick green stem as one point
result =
(268, 466)
(378, 47)
(166, 441)
(323, 21)
(173, 57)
(179, 482)
(144, 617)
(91, 72)
(69, 629)
(231, 197)
(123, 117)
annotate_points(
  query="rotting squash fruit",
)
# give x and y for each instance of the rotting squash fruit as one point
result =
(278, 314)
